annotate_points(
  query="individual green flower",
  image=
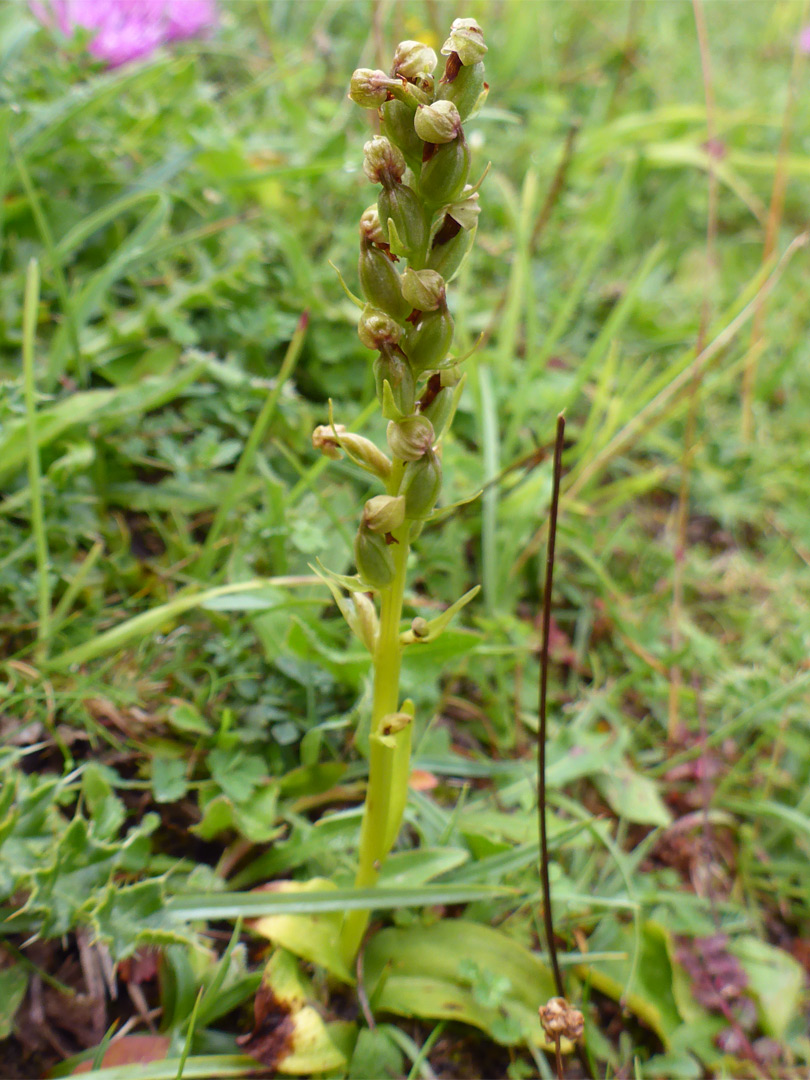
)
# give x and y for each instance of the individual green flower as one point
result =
(422, 289)
(393, 367)
(376, 328)
(445, 172)
(428, 342)
(437, 123)
(383, 162)
(331, 440)
(414, 58)
(373, 557)
(369, 89)
(465, 211)
(411, 438)
(466, 40)
(421, 484)
(403, 222)
(384, 513)
(397, 125)
(370, 228)
(381, 283)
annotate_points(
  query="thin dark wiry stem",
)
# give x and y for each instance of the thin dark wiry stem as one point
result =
(557, 182)
(541, 739)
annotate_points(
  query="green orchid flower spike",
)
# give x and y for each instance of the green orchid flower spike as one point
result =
(412, 242)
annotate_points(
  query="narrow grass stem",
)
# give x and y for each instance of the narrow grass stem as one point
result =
(682, 513)
(55, 261)
(758, 340)
(248, 456)
(30, 306)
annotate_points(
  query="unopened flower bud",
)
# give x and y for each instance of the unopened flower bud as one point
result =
(368, 88)
(376, 328)
(392, 366)
(370, 229)
(444, 174)
(411, 438)
(466, 211)
(465, 87)
(374, 560)
(323, 439)
(423, 289)
(400, 205)
(364, 451)
(368, 623)
(331, 440)
(384, 513)
(467, 40)
(383, 162)
(421, 484)
(397, 125)
(381, 283)
(428, 343)
(419, 627)
(437, 123)
(413, 58)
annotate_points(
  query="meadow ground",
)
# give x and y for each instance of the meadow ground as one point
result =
(171, 741)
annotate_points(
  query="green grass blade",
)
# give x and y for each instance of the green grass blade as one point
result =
(54, 258)
(207, 1067)
(30, 308)
(140, 626)
(134, 246)
(237, 486)
(256, 904)
(105, 407)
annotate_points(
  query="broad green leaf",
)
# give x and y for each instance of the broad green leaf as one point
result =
(376, 1056)
(776, 979)
(315, 938)
(632, 796)
(642, 982)
(425, 971)
(169, 780)
(13, 984)
(256, 819)
(237, 772)
(420, 865)
(183, 716)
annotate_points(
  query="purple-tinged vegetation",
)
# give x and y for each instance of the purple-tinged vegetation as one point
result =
(126, 30)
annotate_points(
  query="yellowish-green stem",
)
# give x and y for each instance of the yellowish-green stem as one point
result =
(389, 756)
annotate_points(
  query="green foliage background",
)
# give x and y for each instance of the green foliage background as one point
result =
(184, 213)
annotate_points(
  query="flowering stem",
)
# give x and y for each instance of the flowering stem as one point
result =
(387, 790)
(412, 242)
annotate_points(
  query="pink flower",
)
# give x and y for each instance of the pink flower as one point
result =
(127, 29)
(804, 40)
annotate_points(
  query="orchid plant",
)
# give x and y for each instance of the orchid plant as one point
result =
(413, 240)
